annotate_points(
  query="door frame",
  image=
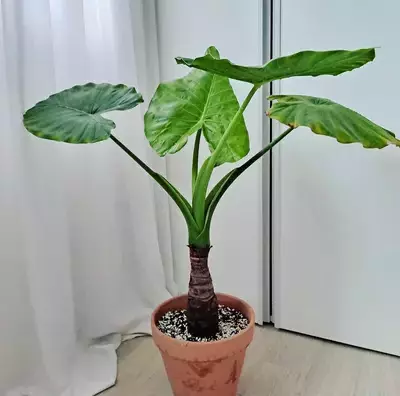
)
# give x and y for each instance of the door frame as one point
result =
(267, 16)
(275, 193)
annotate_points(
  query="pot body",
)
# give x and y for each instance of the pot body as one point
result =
(204, 368)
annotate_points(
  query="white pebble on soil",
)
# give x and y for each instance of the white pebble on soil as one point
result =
(174, 324)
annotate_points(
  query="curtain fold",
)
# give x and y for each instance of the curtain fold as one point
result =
(85, 241)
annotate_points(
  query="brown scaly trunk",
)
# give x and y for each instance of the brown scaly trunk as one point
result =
(202, 312)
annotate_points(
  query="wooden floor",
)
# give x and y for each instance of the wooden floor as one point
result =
(278, 363)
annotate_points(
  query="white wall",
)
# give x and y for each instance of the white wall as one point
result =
(187, 28)
(339, 269)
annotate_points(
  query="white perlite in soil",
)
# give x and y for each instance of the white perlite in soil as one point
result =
(231, 321)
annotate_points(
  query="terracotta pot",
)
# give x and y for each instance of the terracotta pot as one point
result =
(203, 368)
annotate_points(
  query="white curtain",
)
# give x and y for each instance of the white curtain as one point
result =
(84, 234)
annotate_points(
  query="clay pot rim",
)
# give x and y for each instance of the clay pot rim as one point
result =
(197, 344)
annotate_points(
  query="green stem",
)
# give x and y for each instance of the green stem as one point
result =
(195, 161)
(200, 191)
(225, 136)
(133, 156)
(216, 188)
(219, 190)
(268, 147)
(172, 191)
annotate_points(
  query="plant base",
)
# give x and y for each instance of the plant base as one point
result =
(204, 368)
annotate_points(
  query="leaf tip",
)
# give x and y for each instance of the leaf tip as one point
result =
(140, 98)
(183, 61)
(372, 53)
(213, 52)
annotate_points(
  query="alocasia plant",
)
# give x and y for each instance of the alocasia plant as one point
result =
(204, 104)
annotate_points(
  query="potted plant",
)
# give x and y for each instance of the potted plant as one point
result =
(203, 336)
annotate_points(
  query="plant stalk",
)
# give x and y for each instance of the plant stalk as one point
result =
(199, 196)
(225, 136)
(172, 191)
(202, 308)
(263, 151)
(195, 161)
(133, 156)
(220, 188)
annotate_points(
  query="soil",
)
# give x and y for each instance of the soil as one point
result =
(231, 322)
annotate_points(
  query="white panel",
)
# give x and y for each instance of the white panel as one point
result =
(338, 261)
(235, 28)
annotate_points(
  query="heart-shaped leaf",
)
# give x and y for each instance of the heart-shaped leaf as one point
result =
(325, 117)
(74, 115)
(198, 101)
(305, 63)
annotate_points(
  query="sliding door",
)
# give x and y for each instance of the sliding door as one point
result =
(337, 207)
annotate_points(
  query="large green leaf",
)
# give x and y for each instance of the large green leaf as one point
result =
(305, 63)
(74, 115)
(325, 117)
(198, 101)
